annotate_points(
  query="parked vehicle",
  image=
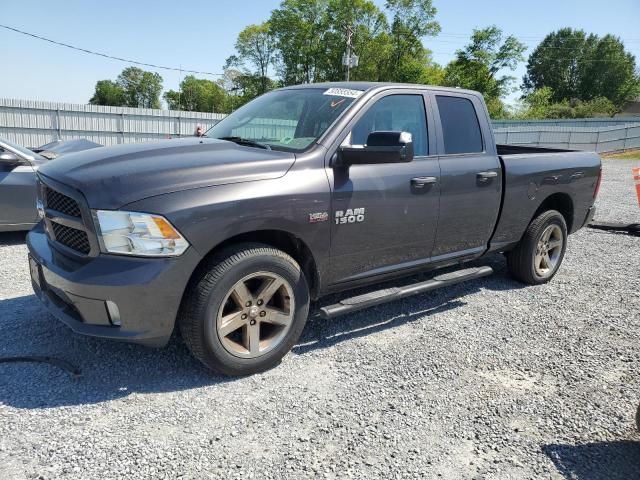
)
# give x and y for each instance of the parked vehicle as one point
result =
(304, 191)
(63, 147)
(18, 166)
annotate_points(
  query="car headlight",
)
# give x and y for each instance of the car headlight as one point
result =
(132, 233)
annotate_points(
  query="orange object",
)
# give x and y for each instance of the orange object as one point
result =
(636, 178)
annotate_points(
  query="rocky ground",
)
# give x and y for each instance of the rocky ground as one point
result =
(487, 379)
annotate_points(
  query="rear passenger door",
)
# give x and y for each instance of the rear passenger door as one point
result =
(471, 176)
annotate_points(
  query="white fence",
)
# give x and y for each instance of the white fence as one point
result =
(34, 123)
(598, 139)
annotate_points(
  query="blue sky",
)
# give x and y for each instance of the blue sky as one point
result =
(199, 35)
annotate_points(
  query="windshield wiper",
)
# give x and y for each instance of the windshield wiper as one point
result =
(246, 141)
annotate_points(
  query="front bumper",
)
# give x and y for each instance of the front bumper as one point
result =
(146, 291)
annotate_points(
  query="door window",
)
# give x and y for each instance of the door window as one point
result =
(403, 113)
(460, 126)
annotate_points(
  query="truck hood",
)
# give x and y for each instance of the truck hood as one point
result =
(111, 177)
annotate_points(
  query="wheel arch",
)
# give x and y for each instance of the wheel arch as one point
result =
(280, 239)
(563, 203)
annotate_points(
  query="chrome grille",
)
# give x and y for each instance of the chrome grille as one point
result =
(71, 237)
(61, 203)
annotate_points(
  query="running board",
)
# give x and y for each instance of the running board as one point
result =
(378, 297)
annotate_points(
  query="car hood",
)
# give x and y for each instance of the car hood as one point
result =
(111, 177)
(64, 147)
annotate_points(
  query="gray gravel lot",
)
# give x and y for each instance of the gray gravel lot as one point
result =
(485, 380)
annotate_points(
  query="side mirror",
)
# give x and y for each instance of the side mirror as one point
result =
(10, 159)
(381, 147)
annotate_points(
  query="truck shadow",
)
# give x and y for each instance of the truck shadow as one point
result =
(112, 370)
(596, 461)
(12, 238)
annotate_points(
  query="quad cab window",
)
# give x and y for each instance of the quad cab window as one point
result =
(460, 126)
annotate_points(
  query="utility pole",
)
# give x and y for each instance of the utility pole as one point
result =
(349, 60)
(349, 46)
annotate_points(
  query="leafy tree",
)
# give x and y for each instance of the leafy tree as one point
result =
(540, 105)
(134, 87)
(108, 93)
(478, 66)
(141, 88)
(310, 38)
(411, 20)
(197, 95)
(299, 28)
(370, 40)
(255, 46)
(577, 66)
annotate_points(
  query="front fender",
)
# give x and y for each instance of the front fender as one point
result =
(209, 216)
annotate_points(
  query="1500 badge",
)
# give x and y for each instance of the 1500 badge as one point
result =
(352, 215)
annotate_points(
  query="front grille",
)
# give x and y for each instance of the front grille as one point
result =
(61, 203)
(71, 237)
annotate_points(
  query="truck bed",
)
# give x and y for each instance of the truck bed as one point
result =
(520, 149)
(532, 175)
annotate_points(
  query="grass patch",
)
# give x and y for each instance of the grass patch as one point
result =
(631, 155)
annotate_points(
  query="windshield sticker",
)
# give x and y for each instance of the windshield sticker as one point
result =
(343, 92)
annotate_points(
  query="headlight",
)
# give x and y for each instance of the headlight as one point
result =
(132, 233)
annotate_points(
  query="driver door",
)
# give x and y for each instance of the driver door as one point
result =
(17, 194)
(382, 219)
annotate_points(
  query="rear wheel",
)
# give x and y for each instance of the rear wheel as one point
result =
(539, 254)
(245, 310)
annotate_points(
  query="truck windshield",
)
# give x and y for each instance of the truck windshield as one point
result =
(289, 120)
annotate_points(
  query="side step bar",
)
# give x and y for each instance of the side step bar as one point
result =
(370, 299)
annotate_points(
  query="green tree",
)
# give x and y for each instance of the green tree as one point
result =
(299, 28)
(310, 38)
(479, 65)
(141, 88)
(540, 105)
(255, 47)
(197, 95)
(108, 93)
(411, 21)
(578, 66)
(370, 40)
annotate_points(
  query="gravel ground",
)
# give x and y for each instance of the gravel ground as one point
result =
(484, 380)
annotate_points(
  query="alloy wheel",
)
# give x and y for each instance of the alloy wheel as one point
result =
(256, 315)
(548, 251)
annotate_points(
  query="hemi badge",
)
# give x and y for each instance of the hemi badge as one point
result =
(318, 217)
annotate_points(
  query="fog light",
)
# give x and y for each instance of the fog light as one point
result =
(114, 313)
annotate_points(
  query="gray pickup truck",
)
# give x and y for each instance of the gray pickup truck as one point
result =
(305, 191)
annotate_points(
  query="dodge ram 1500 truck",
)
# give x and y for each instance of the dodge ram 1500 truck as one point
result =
(304, 191)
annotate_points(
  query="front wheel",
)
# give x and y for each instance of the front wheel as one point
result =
(245, 310)
(538, 256)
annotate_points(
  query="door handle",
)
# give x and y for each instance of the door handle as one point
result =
(486, 176)
(421, 182)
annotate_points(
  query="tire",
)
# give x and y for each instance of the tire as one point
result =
(222, 320)
(527, 262)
